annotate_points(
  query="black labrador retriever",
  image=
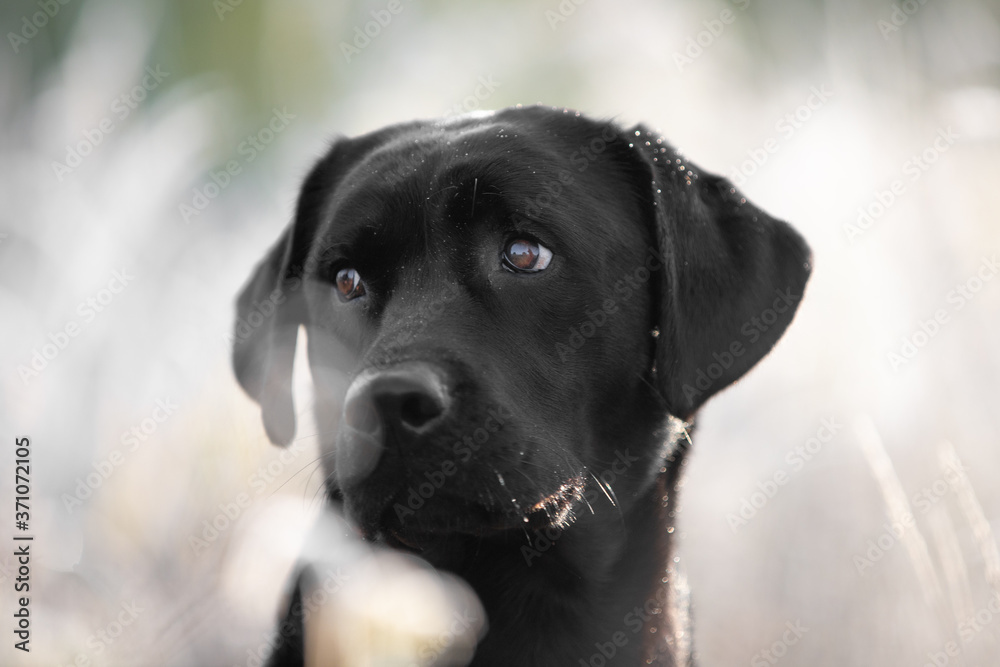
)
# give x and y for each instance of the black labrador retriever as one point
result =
(532, 305)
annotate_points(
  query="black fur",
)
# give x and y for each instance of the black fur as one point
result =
(589, 370)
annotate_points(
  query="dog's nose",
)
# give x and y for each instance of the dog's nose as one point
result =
(398, 404)
(409, 398)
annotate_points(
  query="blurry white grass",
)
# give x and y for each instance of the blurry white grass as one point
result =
(898, 508)
(973, 511)
(370, 607)
(956, 572)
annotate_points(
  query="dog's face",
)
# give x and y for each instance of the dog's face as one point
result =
(518, 300)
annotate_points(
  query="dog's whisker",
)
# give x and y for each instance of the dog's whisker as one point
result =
(611, 495)
(475, 186)
(510, 494)
(600, 485)
(437, 192)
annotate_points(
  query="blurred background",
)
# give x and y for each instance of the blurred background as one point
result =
(150, 152)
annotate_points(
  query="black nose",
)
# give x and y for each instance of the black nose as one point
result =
(409, 399)
(398, 404)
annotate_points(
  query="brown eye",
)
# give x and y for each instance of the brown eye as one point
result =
(349, 284)
(526, 256)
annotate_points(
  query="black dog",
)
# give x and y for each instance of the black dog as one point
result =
(532, 306)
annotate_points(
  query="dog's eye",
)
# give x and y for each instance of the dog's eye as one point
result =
(349, 284)
(526, 256)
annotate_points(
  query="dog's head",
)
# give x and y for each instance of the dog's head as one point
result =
(519, 300)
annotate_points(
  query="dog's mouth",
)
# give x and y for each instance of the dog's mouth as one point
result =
(416, 524)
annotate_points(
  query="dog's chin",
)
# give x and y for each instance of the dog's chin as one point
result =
(439, 521)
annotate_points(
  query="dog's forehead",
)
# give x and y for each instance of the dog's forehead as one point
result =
(435, 155)
(423, 165)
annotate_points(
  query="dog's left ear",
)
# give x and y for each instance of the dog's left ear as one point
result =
(731, 279)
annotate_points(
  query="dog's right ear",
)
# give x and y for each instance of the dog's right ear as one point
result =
(272, 306)
(269, 311)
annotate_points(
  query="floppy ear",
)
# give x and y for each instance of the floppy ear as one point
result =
(268, 315)
(731, 279)
(272, 304)
(271, 307)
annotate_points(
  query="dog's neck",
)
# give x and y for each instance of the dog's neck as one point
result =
(605, 591)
